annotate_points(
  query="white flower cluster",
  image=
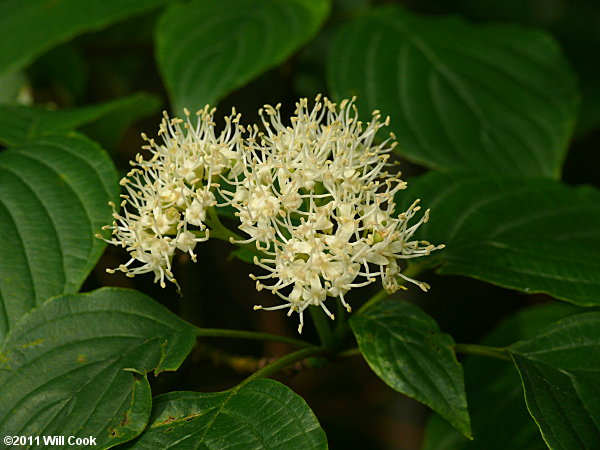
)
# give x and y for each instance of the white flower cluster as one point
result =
(315, 197)
(168, 194)
(318, 201)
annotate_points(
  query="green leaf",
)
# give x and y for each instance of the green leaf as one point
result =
(53, 199)
(206, 49)
(537, 236)
(575, 25)
(109, 128)
(261, 414)
(482, 98)
(12, 84)
(19, 123)
(406, 349)
(560, 370)
(499, 416)
(77, 365)
(29, 28)
(243, 254)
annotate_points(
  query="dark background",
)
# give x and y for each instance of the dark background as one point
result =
(355, 408)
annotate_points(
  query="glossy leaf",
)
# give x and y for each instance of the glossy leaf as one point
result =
(407, 350)
(206, 49)
(18, 123)
(261, 414)
(499, 416)
(575, 26)
(482, 98)
(29, 28)
(77, 365)
(536, 236)
(53, 199)
(560, 369)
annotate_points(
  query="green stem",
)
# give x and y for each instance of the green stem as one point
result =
(483, 350)
(240, 334)
(323, 327)
(414, 269)
(341, 328)
(375, 299)
(284, 361)
(221, 232)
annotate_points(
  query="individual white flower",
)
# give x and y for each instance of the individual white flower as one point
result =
(167, 195)
(316, 197)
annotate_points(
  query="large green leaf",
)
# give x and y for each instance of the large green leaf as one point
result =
(560, 369)
(531, 235)
(499, 416)
(77, 365)
(261, 414)
(486, 98)
(28, 28)
(53, 199)
(407, 350)
(575, 25)
(18, 123)
(206, 49)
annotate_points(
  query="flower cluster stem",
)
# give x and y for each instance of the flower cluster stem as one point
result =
(221, 232)
(342, 328)
(324, 330)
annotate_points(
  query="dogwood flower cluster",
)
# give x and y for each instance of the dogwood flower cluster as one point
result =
(167, 194)
(316, 197)
(313, 195)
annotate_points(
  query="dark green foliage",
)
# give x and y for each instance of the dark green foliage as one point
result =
(53, 200)
(405, 347)
(443, 81)
(530, 235)
(260, 414)
(77, 365)
(487, 97)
